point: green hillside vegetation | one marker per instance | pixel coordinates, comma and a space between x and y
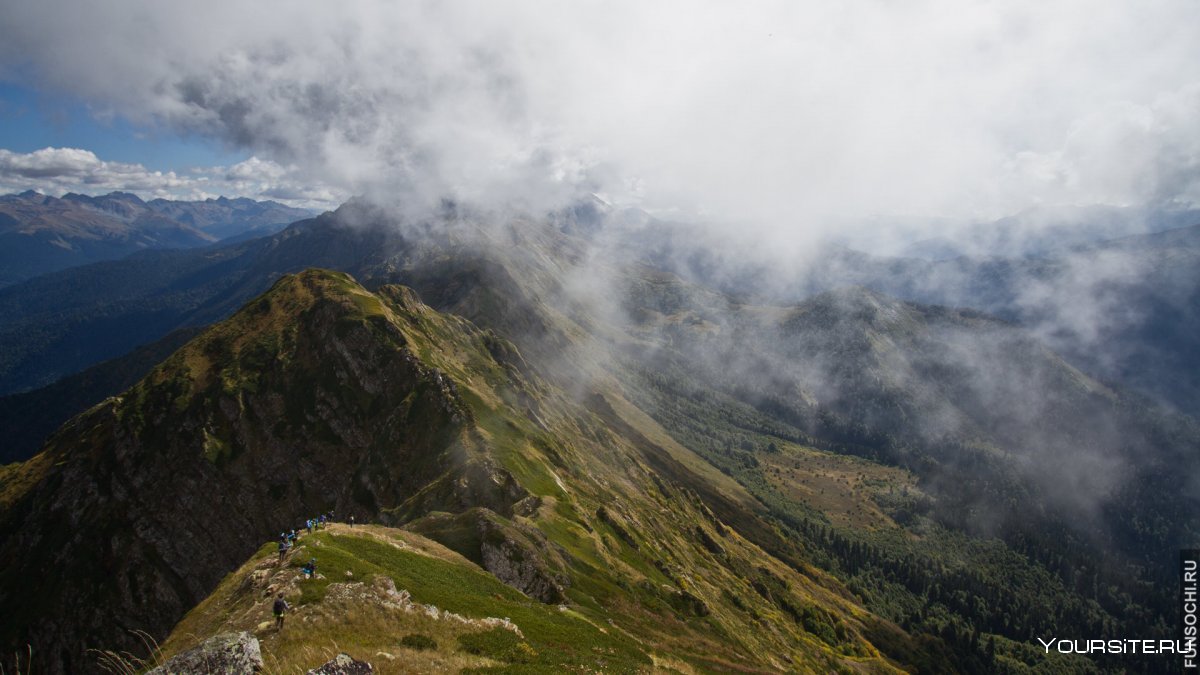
321, 394
344, 609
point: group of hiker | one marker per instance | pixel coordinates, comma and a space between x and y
287, 540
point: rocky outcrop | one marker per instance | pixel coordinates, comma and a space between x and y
226, 654
618, 525
517, 556
343, 664
478, 482
514, 552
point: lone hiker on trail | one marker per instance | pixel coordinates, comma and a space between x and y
281, 606
351, 521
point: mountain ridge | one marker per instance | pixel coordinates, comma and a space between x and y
470, 451
114, 451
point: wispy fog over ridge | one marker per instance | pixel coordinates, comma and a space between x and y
794, 120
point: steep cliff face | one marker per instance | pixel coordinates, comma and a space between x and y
309, 399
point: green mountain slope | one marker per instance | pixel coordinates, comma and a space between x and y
320, 394
380, 590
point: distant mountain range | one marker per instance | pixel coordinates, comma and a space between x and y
41, 234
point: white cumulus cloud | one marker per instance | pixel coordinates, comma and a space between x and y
789, 115
60, 170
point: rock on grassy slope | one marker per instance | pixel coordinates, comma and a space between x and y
320, 394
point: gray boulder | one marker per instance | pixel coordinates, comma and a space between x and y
225, 654
343, 664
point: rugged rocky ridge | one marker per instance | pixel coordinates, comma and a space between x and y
309, 399
320, 394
